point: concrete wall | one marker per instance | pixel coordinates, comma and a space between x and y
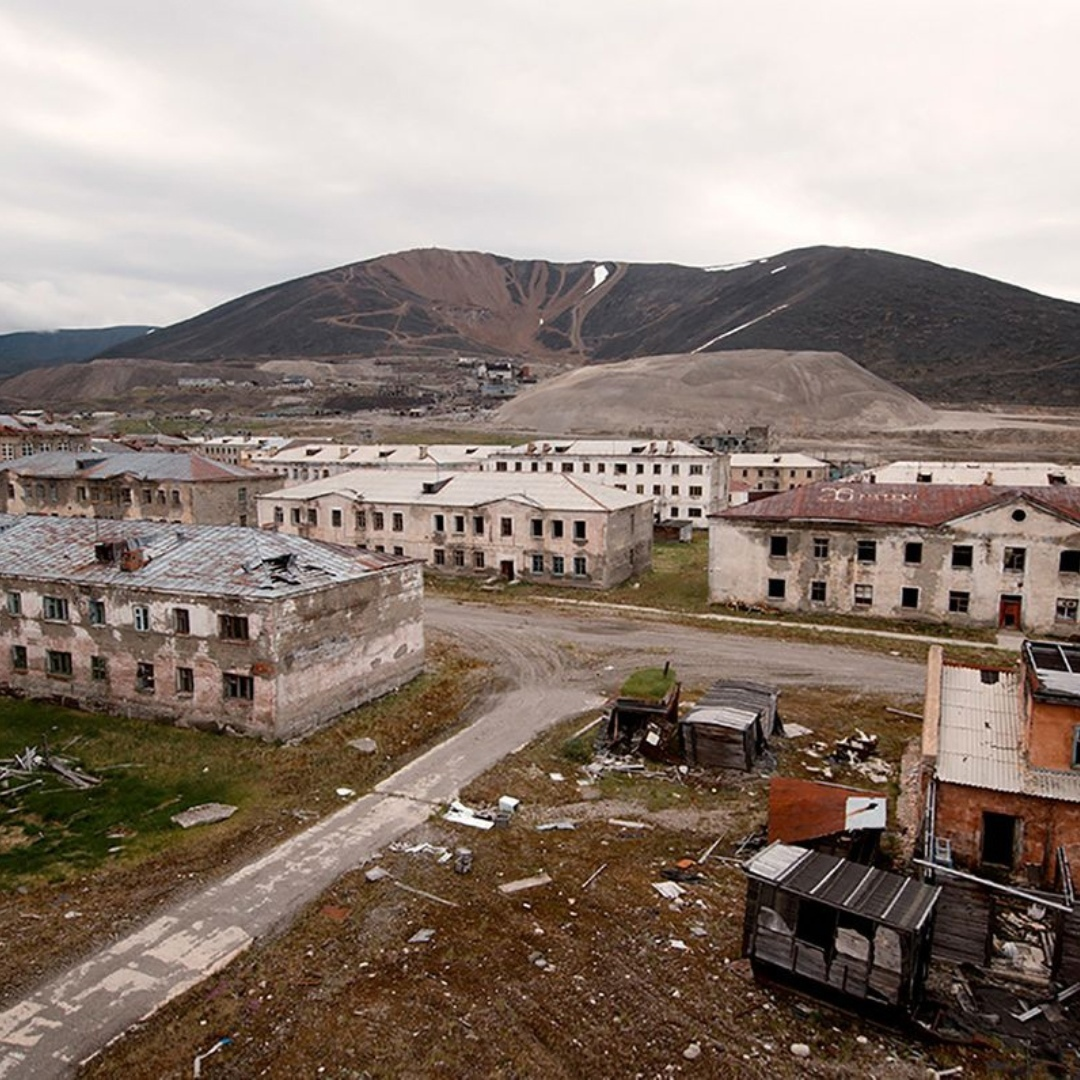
473, 542
310, 658
740, 568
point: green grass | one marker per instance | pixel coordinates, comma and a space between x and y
151, 771
650, 684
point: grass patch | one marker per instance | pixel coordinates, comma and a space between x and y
652, 684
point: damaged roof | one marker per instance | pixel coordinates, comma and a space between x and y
899, 504
980, 735
811, 809
139, 465
1056, 668
218, 560
900, 902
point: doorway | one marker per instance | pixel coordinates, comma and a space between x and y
506, 569
1009, 612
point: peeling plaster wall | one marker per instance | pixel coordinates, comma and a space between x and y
740, 567
310, 658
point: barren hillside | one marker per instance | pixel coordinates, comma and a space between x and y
793, 392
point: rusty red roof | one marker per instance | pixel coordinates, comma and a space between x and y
900, 504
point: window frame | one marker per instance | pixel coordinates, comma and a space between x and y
866, 551
236, 686
232, 627
55, 609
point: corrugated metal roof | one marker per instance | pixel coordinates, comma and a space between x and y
808, 809
721, 716
140, 465
895, 901
980, 738
899, 504
628, 448
779, 461
219, 560
1001, 473
381, 454
464, 490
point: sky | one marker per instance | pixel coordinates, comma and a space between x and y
157, 159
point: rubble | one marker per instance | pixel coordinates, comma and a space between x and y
204, 814
34, 760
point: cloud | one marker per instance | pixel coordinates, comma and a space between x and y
163, 158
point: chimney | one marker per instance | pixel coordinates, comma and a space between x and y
132, 559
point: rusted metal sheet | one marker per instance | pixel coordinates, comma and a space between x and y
809, 809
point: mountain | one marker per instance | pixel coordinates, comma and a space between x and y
944, 335
28, 349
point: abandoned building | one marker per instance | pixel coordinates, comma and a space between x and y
729, 726
24, 434
301, 462
682, 480
207, 626
972, 555
753, 476
1001, 819
995, 473
149, 486
838, 926
550, 529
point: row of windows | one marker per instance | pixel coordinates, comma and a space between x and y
538, 563
693, 492
776, 473
58, 609
557, 529
619, 468
962, 556
959, 602
60, 664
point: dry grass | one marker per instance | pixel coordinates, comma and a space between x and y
559, 981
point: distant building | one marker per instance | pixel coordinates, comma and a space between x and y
300, 463
753, 440
237, 449
151, 486
214, 627
765, 474
24, 434
549, 529
991, 473
969, 555
682, 480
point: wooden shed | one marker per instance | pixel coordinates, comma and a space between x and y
850, 929
722, 737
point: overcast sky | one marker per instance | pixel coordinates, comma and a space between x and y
158, 158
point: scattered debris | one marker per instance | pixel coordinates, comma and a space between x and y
335, 913
204, 814
525, 883
508, 804
622, 824
365, 746
344, 792
692, 1052
196, 1065
564, 825
796, 731
557, 777
422, 936
460, 814
800, 1050
425, 895
593, 876
376, 873
669, 890
463, 862
36, 760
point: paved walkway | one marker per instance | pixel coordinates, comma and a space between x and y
53, 1031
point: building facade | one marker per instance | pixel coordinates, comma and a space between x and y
204, 626
22, 435
968, 555
753, 475
547, 529
150, 486
682, 480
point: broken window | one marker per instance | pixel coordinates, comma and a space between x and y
335, 519
459, 523
438, 523
18, 657
144, 677
913, 551
438, 556
909, 597
185, 680
536, 528
821, 547
864, 595
1065, 610
1069, 562
58, 663
1076, 748
817, 592
313, 515
601, 467
537, 564
777, 588
999, 835
14, 603
580, 566
695, 491
694, 511
99, 668
558, 565
962, 556
140, 615
459, 557
620, 468
506, 526
398, 549
361, 519
233, 627
579, 530
697, 470
378, 519
397, 523
567, 466
959, 602
778, 547
866, 551
294, 515
478, 525
1014, 559
279, 515
54, 608
237, 686
95, 612
478, 560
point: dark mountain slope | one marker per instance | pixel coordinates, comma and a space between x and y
942, 334
28, 349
